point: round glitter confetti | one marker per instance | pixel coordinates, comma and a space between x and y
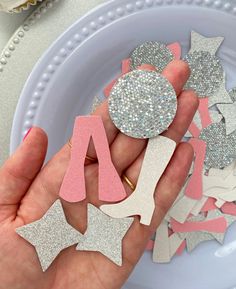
142, 104
206, 73
153, 53
221, 149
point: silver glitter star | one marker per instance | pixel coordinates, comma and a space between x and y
229, 113
50, 235
221, 95
105, 234
201, 43
207, 73
221, 149
154, 53
142, 104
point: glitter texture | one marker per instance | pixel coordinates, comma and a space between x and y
50, 235
207, 73
229, 113
154, 53
232, 94
105, 234
221, 149
142, 104
201, 43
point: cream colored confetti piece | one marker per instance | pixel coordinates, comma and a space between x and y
158, 154
161, 251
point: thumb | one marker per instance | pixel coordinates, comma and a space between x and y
19, 171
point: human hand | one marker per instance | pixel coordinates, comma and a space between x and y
27, 191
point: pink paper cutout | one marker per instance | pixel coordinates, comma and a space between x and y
73, 187
108, 88
194, 130
218, 225
204, 115
209, 205
150, 245
229, 208
126, 66
148, 67
194, 189
181, 248
176, 50
204, 112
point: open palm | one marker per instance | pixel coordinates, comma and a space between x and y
27, 191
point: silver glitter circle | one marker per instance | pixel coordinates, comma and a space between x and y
142, 104
207, 73
221, 149
232, 94
154, 53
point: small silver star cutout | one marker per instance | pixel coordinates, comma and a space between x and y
105, 234
201, 43
50, 235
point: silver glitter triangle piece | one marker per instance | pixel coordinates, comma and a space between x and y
105, 234
50, 235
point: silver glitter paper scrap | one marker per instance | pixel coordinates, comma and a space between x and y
221, 149
151, 52
229, 113
207, 73
201, 43
232, 94
105, 234
221, 95
50, 235
142, 104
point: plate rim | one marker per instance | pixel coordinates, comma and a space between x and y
114, 10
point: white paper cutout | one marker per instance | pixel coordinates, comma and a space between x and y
158, 154
161, 251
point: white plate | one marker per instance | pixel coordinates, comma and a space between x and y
83, 60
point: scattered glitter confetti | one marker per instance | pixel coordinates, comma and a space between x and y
50, 235
154, 53
142, 104
105, 234
221, 149
221, 95
206, 73
201, 43
193, 239
214, 115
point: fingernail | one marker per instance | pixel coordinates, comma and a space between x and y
28, 132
